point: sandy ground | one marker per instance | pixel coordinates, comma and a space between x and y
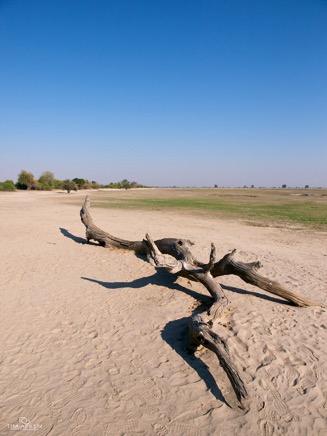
93, 341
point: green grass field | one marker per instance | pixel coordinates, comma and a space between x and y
262, 207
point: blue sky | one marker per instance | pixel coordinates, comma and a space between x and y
165, 92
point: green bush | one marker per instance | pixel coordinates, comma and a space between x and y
46, 181
123, 184
26, 181
7, 185
95, 185
45, 187
58, 184
69, 185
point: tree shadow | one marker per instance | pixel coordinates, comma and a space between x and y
162, 278
256, 294
77, 239
175, 333
159, 278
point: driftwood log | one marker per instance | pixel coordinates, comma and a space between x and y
175, 256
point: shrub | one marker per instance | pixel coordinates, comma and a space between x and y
26, 181
46, 181
7, 185
81, 183
95, 185
69, 185
58, 184
45, 187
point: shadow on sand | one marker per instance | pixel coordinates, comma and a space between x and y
175, 333
159, 278
257, 295
74, 238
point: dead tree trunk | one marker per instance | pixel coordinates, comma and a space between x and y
180, 250
175, 256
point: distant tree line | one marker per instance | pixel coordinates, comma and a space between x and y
47, 182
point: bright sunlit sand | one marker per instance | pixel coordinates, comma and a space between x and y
93, 340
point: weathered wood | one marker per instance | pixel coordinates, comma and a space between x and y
200, 332
248, 273
175, 256
106, 239
180, 249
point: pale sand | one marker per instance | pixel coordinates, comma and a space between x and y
93, 341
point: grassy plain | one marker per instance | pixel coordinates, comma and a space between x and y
261, 207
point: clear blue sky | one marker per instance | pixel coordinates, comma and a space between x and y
165, 92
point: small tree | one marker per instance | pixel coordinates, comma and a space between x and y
47, 180
26, 181
80, 182
69, 185
284, 186
95, 185
125, 184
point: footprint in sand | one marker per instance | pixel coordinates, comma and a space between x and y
149, 390
152, 389
267, 378
134, 392
273, 373
270, 414
280, 408
57, 404
79, 424
268, 358
307, 381
242, 347
267, 428
20, 400
292, 375
156, 393
137, 364
280, 405
132, 426
180, 429
159, 429
150, 410
65, 388
310, 354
